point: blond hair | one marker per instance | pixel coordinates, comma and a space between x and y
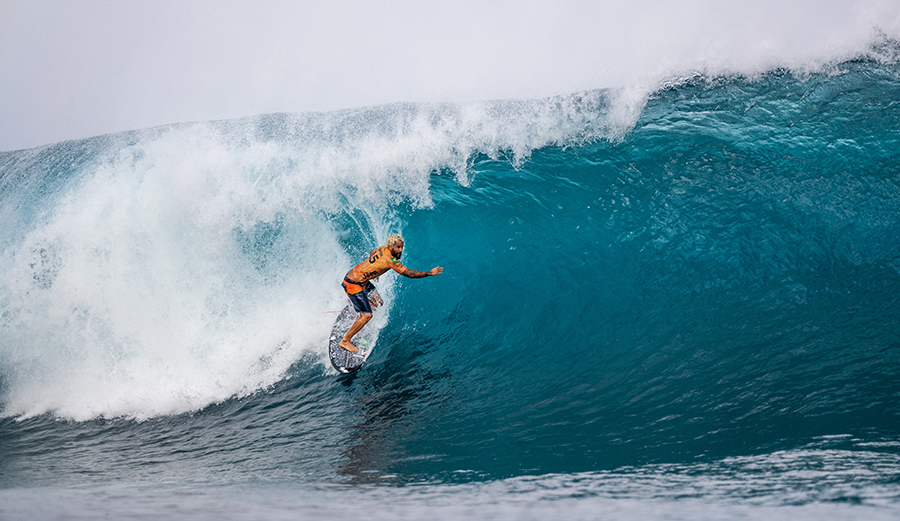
393, 239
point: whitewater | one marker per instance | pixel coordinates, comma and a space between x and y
673, 302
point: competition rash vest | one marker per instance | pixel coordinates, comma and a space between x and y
380, 260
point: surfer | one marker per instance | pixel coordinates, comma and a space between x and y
359, 288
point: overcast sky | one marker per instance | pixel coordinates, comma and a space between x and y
77, 68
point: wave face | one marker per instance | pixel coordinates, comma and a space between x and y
709, 272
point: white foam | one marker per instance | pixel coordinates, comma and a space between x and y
132, 297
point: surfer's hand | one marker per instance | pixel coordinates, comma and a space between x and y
436, 271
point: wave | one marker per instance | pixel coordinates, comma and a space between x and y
628, 271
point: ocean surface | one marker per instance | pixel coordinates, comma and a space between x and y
674, 303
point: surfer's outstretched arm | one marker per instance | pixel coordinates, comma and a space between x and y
415, 274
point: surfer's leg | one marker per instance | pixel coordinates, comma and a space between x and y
375, 298
360, 301
361, 321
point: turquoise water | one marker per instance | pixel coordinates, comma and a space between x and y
677, 307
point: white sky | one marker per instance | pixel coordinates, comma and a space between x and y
77, 68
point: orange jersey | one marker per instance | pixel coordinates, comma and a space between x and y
380, 260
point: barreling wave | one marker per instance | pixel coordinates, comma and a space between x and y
158, 271
710, 269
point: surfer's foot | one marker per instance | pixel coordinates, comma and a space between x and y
348, 346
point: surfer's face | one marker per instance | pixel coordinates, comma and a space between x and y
397, 250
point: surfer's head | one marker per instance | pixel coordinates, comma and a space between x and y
395, 244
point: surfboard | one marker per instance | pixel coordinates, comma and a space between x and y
343, 360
